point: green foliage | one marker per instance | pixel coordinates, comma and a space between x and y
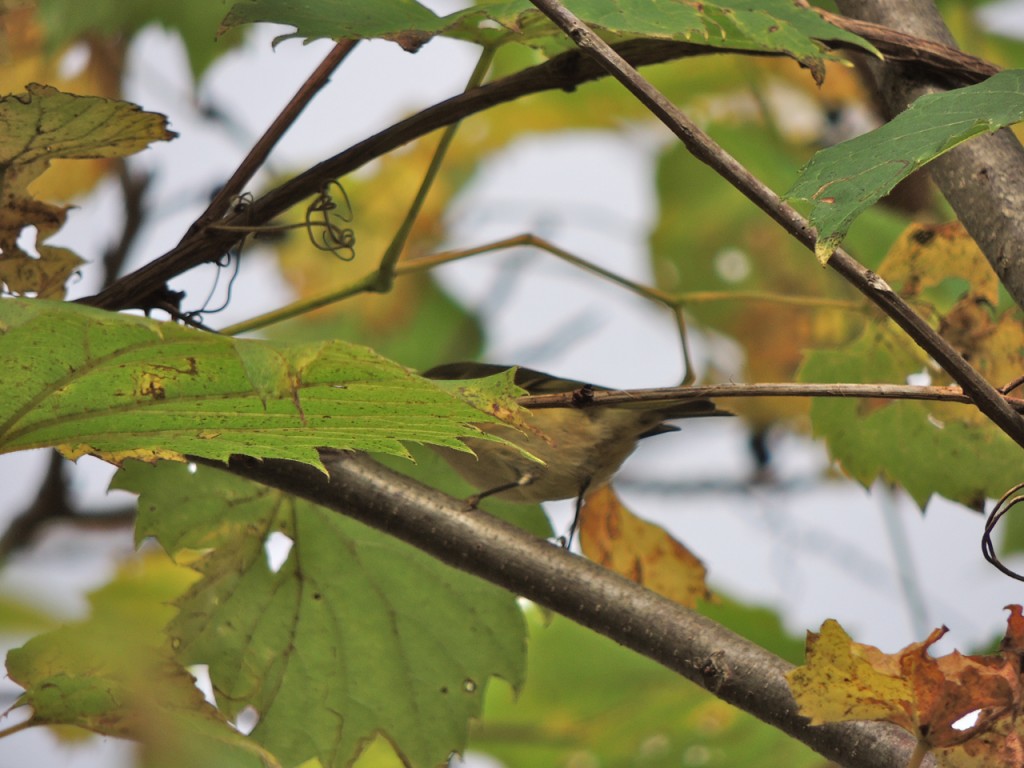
113, 674
65, 21
355, 634
912, 444
129, 387
358, 648
844, 180
585, 702
764, 25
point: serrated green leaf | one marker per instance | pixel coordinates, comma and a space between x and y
128, 387
756, 25
926, 448
844, 180
588, 701
356, 634
37, 127
113, 674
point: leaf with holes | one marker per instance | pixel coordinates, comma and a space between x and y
842, 680
36, 127
113, 674
355, 634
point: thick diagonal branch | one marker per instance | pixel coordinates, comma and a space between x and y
729, 666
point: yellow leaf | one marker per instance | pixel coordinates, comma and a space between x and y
926, 255
843, 680
39, 126
614, 537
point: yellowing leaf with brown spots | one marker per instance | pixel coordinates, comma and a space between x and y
37, 127
928, 696
927, 255
619, 540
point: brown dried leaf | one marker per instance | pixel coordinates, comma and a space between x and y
614, 537
843, 680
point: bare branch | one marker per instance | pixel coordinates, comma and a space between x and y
718, 391
261, 149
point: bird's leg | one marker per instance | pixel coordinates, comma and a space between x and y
566, 541
524, 479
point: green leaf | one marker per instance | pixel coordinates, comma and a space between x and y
355, 634
588, 701
755, 25
927, 448
196, 20
36, 127
118, 386
844, 180
113, 674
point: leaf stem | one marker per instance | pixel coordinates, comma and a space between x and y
919, 754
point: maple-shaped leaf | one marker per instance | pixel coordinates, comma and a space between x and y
942, 273
928, 696
354, 634
41, 125
641, 551
118, 386
114, 674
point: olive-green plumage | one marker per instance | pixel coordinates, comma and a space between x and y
581, 446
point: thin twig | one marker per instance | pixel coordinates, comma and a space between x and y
676, 302
386, 272
133, 191
722, 391
984, 395
221, 202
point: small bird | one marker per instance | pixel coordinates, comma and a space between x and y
581, 445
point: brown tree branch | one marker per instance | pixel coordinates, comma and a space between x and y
51, 506
941, 59
566, 71
727, 665
983, 178
883, 391
261, 149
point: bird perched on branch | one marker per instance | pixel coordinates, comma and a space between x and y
582, 445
